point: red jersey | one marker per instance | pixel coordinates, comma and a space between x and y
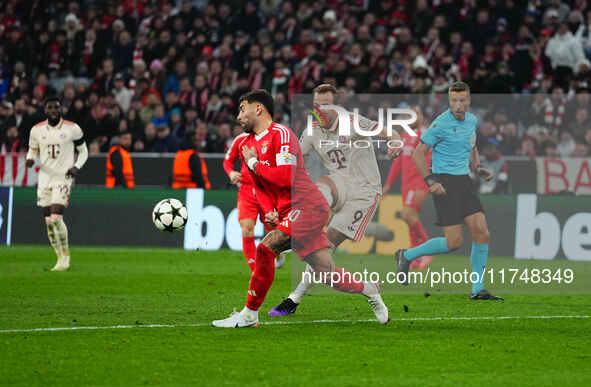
232, 155
280, 177
411, 178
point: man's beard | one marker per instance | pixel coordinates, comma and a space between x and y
54, 121
248, 128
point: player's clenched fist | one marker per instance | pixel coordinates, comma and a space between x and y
235, 177
72, 172
437, 189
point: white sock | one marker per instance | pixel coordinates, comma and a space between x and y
305, 285
61, 233
53, 239
370, 289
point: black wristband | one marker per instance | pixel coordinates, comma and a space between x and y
430, 180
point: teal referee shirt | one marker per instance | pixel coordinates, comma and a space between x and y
451, 141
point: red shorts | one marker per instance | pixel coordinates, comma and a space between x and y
409, 195
306, 227
248, 206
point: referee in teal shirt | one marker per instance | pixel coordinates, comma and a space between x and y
452, 136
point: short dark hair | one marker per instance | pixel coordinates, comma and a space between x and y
261, 96
51, 99
458, 86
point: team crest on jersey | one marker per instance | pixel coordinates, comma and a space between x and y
264, 147
342, 139
62, 136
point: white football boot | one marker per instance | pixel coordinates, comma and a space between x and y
372, 292
245, 319
63, 264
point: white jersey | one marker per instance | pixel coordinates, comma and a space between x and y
352, 157
55, 145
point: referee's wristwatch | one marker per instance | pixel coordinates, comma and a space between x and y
430, 180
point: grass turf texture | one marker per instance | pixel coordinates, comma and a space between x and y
108, 286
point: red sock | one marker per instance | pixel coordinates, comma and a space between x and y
418, 235
249, 250
261, 278
343, 281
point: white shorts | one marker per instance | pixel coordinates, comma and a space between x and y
354, 209
55, 192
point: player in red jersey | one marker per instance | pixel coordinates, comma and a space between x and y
248, 207
294, 205
414, 189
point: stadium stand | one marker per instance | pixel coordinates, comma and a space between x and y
165, 70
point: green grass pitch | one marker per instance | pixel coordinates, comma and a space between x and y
444, 339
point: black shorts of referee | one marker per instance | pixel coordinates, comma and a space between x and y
460, 200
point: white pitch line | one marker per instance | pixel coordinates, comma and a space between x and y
474, 318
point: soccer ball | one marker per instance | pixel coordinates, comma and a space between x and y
169, 215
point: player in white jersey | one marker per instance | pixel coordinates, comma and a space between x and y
54, 140
353, 185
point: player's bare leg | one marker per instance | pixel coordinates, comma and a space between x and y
341, 280
61, 237
248, 245
261, 280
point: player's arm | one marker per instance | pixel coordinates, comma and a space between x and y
429, 139
33, 150
285, 160
393, 139
475, 163
393, 175
263, 198
306, 144
82, 150
230, 160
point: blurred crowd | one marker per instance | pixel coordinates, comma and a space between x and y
169, 69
